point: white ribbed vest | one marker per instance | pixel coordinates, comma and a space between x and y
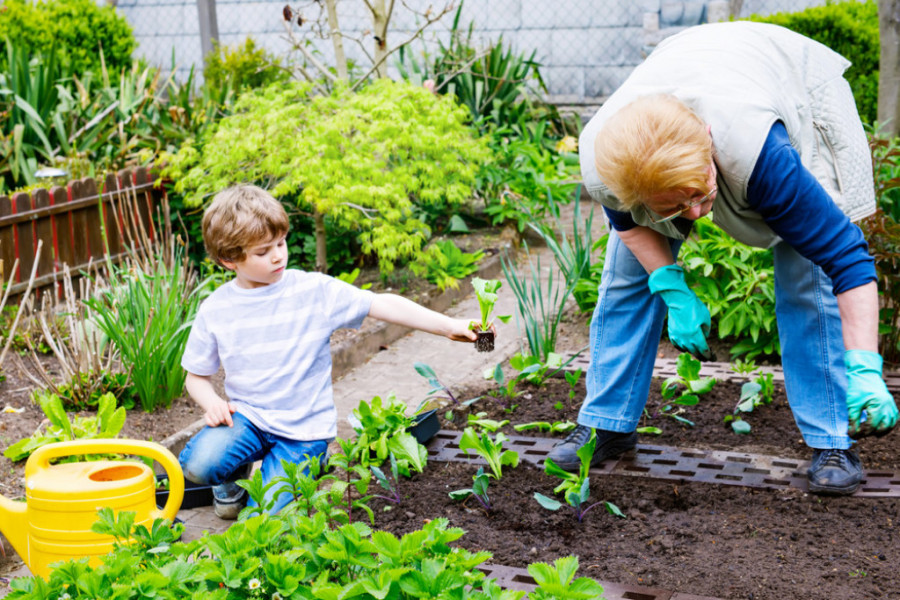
741, 78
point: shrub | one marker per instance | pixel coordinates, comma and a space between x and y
76, 29
850, 29
242, 67
368, 160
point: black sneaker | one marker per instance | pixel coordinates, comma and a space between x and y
609, 444
834, 472
229, 498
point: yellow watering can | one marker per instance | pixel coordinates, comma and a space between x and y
62, 500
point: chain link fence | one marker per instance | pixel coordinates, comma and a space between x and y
586, 48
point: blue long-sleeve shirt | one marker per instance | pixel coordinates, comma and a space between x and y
800, 211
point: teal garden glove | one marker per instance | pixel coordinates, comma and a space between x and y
688, 317
867, 393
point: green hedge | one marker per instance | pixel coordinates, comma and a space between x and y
851, 29
76, 29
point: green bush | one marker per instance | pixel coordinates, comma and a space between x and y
242, 67
850, 29
368, 160
76, 29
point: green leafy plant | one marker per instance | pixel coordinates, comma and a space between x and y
481, 421
146, 312
555, 427
572, 251
506, 391
479, 490
389, 483
558, 582
491, 450
541, 304
77, 31
572, 378
381, 430
755, 393
684, 389
575, 487
106, 424
486, 293
737, 284
882, 232
438, 390
242, 66
444, 264
366, 159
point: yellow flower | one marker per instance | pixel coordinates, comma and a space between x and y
567, 144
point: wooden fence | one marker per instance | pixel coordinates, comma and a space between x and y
77, 227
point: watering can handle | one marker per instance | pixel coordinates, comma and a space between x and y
40, 460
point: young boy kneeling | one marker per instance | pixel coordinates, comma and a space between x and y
269, 330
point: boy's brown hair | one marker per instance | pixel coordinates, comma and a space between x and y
239, 218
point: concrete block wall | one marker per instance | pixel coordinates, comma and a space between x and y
586, 47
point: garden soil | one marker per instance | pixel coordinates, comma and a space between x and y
713, 540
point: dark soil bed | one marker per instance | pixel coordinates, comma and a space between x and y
713, 540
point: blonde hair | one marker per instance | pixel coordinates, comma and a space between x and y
239, 218
654, 145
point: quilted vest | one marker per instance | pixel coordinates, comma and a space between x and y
741, 78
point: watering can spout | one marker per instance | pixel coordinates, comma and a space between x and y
13, 524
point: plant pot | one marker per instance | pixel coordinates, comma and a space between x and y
425, 427
485, 341
195, 494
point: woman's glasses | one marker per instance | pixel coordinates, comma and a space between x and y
656, 219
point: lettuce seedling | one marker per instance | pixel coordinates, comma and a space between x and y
486, 292
490, 450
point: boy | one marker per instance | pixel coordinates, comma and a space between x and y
269, 329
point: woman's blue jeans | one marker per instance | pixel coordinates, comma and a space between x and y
628, 321
214, 454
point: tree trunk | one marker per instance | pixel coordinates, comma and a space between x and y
321, 249
735, 7
340, 58
380, 18
889, 66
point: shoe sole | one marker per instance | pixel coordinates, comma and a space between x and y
831, 490
612, 451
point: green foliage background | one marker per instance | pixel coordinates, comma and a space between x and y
369, 160
850, 29
75, 29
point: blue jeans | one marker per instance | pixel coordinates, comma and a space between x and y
216, 453
627, 325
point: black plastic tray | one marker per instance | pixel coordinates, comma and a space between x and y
195, 494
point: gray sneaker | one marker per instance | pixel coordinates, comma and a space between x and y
229, 498
609, 444
834, 472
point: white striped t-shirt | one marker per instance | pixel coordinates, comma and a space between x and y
273, 344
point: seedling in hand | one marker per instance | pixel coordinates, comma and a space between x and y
486, 292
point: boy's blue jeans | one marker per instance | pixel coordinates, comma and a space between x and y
627, 324
215, 453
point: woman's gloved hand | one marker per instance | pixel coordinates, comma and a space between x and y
867, 393
688, 317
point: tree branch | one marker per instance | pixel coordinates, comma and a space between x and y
416, 34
